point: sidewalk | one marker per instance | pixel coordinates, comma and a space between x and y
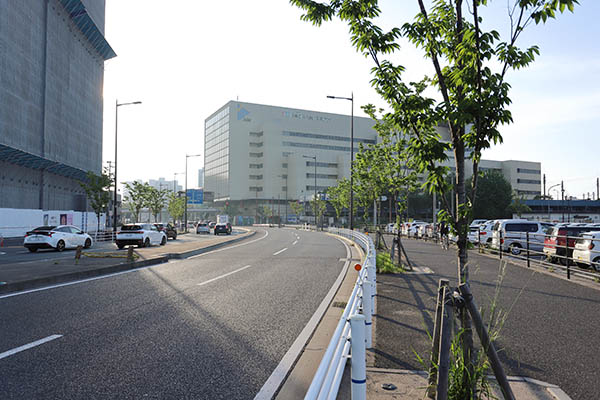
100, 261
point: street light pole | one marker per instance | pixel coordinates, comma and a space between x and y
117, 105
186, 190
315, 199
351, 99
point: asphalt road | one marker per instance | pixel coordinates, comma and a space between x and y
211, 327
549, 333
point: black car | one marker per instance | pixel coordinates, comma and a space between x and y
169, 230
223, 228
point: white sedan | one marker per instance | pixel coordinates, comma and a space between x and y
56, 237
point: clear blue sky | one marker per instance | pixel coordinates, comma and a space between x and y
186, 58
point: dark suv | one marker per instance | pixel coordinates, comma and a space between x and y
223, 228
169, 230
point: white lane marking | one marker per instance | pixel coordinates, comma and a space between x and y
2, 253
28, 346
223, 276
294, 242
289, 359
280, 251
230, 247
118, 273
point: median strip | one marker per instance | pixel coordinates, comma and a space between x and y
28, 346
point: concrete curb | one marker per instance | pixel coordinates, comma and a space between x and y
106, 270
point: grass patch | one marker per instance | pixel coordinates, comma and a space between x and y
385, 265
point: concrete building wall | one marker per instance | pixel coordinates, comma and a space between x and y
51, 102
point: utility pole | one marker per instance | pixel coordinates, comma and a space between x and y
544, 186
597, 188
562, 189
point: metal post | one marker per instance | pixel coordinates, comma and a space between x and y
485, 342
115, 198
567, 255
528, 262
479, 239
185, 229
359, 363
368, 312
351, 162
500, 244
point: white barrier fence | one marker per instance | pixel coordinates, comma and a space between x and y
17, 222
354, 331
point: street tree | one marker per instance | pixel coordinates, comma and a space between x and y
319, 206
297, 208
517, 205
469, 87
156, 199
339, 196
97, 190
137, 197
176, 206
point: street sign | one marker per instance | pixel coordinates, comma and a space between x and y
195, 196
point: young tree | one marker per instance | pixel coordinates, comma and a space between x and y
97, 190
156, 200
297, 208
176, 206
319, 206
470, 67
137, 197
339, 196
518, 206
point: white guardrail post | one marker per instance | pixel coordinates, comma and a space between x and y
359, 361
368, 312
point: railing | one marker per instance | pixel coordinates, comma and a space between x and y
354, 331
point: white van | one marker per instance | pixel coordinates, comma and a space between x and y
587, 250
511, 235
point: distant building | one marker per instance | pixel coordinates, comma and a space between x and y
51, 108
162, 184
201, 177
256, 155
569, 210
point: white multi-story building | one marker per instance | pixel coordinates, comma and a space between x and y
201, 178
261, 154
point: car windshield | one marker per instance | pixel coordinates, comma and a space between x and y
131, 228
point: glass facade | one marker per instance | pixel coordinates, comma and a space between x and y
216, 148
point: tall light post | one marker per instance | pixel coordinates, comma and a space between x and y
549, 189
186, 196
351, 98
286, 195
175, 180
117, 105
315, 200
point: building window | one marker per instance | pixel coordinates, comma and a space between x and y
255, 155
287, 153
321, 176
256, 134
255, 188
321, 164
255, 166
255, 177
532, 192
318, 146
327, 137
284, 188
284, 165
530, 181
256, 144
528, 171
319, 188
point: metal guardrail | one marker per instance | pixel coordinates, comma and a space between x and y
353, 332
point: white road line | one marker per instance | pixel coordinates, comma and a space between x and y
223, 276
28, 346
280, 251
294, 242
119, 273
289, 359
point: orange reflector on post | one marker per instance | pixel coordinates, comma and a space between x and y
358, 267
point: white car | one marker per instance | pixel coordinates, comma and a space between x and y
141, 235
203, 227
56, 237
587, 250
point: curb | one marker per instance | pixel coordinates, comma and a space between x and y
72, 276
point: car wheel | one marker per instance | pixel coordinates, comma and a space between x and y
515, 249
88, 244
596, 263
146, 242
32, 249
175, 237
120, 246
216, 233
163, 241
60, 246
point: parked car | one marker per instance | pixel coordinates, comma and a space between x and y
560, 241
212, 224
168, 229
587, 250
202, 227
223, 228
141, 235
482, 232
478, 222
391, 228
56, 237
511, 235
410, 228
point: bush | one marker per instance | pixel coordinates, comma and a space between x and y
385, 265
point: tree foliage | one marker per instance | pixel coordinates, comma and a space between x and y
493, 196
156, 199
137, 197
297, 208
176, 206
97, 190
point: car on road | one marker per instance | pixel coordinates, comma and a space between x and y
168, 229
512, 234
587, 250
56, 237
141, 235
223, 228
202, 227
